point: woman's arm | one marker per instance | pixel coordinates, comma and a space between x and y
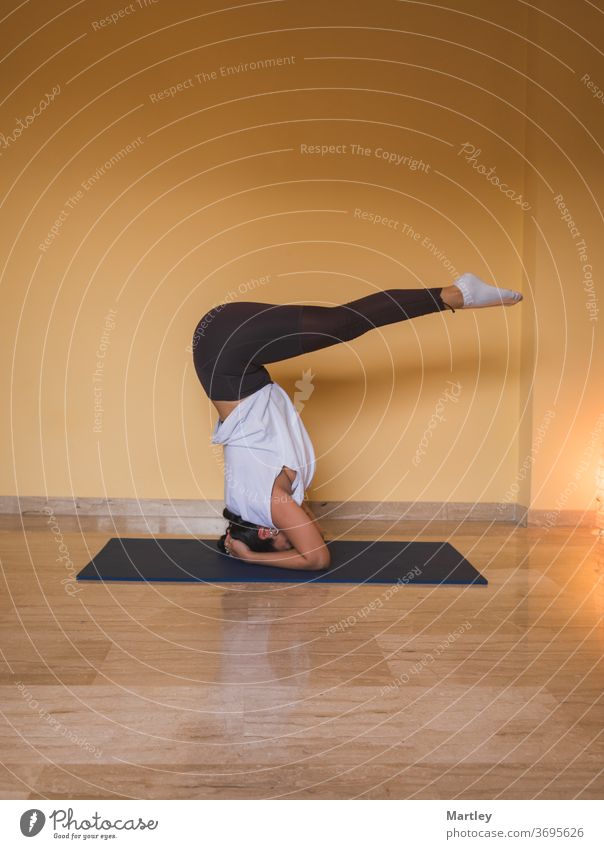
289, 559
309, 550
312, 516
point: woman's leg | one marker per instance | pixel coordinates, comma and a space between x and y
321, 327
234, 342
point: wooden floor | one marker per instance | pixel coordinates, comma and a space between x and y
269, 691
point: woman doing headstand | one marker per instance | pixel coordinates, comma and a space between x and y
268, 454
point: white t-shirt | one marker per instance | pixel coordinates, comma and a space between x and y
261, 435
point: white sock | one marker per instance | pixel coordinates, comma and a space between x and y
476, 293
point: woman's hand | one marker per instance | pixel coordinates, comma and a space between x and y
236, 547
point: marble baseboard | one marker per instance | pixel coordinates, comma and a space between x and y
211, 510
562, 518
33, 505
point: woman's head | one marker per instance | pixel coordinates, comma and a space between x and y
256, 537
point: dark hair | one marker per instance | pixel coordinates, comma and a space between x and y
247, 532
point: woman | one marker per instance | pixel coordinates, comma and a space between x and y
269, 458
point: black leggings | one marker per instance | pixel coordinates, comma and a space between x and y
233, 342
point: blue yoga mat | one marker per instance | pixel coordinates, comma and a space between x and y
195, 560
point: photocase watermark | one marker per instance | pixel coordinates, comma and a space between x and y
69, 582
242, 289
95, 823
235, 485
391, 157
471, 154
98, 374
405, 229
595, 89
55, 724
236, 489
23, 123
32, 822
86, 185
426, 659
528, 461
426, 242
591, 304
551, 517
366, 609
114, 17
204, 77
452, 394
376, 219
304, 389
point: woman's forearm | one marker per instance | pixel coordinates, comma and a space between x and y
284, 559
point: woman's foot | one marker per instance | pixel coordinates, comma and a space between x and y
470, 292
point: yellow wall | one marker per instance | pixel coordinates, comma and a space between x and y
564, 148
215, 191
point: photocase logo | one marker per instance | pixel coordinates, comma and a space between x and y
305, 389
32, 822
